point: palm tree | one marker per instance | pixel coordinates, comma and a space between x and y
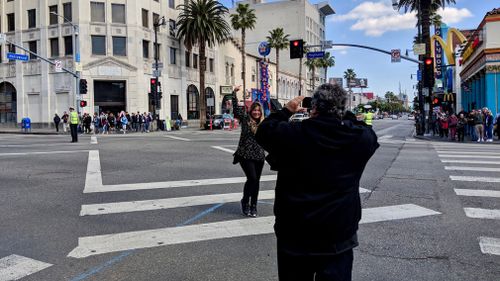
327, 61
278, 40
349, 75
202, 23
243, 19
312, 64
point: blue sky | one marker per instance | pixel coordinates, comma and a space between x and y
378, 25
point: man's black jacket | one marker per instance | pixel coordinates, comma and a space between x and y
319, 162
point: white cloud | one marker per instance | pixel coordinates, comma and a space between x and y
453, 15
377, 18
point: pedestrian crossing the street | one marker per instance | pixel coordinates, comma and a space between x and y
192, 232
475, 166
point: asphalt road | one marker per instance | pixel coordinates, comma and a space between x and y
165, 206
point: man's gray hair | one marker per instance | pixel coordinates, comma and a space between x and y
329, 99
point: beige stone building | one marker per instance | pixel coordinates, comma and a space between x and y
117, 50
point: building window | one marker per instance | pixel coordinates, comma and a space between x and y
97, 12
232, 70
68, 45
68, 11
156, 18
98, 45
195, 61
171, 4
145, 21
53, 18
32, 48
145, 49
32, 18
119, 46
211, 65
54, 47
173, 55
171, 27
11, 22
118, 13
193, 105
157, 49
188, 59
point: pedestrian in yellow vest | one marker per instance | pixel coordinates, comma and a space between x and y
73, 124
369, 118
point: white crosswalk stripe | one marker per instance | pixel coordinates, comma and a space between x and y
465, 157
114, 242
15, 267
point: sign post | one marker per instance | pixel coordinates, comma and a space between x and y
395, 55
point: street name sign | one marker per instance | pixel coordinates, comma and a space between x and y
160, 65
12, 56
316, 55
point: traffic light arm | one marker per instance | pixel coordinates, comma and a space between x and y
374, 49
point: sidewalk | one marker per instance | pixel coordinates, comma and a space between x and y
439, 139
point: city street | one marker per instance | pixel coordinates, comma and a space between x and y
165, 206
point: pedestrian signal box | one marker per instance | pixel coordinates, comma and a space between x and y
83, 103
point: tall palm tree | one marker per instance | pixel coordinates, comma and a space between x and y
312, 64
349, 75
243, 19
278, 40
202, 23
327, 61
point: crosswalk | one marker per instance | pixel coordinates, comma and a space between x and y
190, 232
15, 267
475, 166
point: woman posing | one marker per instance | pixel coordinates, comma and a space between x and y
249, 153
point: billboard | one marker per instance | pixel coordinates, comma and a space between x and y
358, 83
336, 81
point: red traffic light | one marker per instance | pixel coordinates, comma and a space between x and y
83, 103
153, 81
428, 61
295, 43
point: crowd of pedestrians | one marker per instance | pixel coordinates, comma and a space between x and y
479, 125
106, 123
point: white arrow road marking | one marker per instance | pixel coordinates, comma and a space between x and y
474, 179
170, 203
177, 138
477, 169
470, 162
478, 213
101, 244
15, 267
489, 245
478, 192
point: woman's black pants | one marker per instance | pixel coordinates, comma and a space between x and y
253, 170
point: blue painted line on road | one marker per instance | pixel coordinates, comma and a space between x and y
120, 257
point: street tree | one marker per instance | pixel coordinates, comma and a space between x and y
349, 75
312, 64
278, 40
201, 23
327, 61
243, 19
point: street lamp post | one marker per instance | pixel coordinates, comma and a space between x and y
76, 58
161, 21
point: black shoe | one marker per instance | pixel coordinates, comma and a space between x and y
253, 211
245, 208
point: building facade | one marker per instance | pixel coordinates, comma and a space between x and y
480, 65
117, 52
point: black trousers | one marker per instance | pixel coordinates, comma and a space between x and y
253, 170
74, 132
315, 268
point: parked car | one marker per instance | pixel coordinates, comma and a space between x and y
299, 117
394, 117
217, 122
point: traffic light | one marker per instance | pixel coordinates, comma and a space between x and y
83, 103
154, 86
296, 49
83, 86
428, 72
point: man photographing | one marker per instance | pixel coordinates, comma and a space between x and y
317, 206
